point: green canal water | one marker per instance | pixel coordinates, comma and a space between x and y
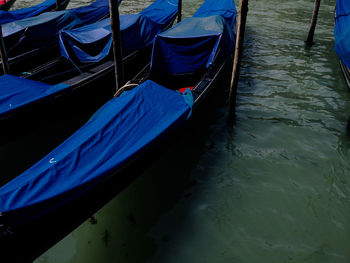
273, 188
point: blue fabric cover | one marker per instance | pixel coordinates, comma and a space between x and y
39, 31
93, 42
118, 132
10, 16
225, 8
16, 92
191, 46
342, 31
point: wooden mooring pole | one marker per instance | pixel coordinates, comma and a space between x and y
243, 11
58, 6
117, 47
179, 10
310, 37
3, 54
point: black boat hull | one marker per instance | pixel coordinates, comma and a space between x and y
346, 73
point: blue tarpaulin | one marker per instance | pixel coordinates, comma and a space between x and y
16, 92
342, 31
192, 45
36, 32
93, 42
119, 131
225, 8
10, 16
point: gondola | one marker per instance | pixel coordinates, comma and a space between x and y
33, 41
187, 62
86, 60
6, 4
46, 6
342, 36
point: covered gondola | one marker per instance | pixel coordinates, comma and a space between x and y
32, 41
46, 6
342, 36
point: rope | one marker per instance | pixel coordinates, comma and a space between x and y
126, 86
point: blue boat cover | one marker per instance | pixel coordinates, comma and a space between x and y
225, 8
36, 32
192, 45
93, 42
16, 92
120, 131
342, 31
10, 16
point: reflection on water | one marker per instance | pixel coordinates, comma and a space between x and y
274, 188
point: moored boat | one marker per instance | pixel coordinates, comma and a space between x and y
144, 112
46, 6
342, 36
33, 41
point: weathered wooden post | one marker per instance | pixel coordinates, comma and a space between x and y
117, 47
243, 11
3, 54
310, 37
179, 9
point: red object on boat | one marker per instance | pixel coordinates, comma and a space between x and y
6, 4
182, 89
